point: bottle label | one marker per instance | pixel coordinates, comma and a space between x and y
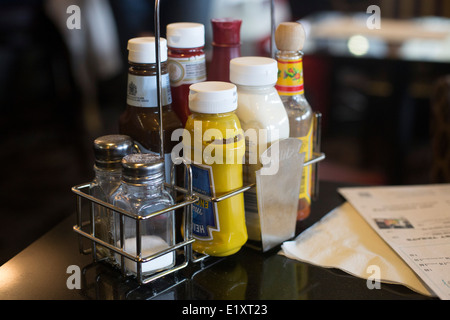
142, 91
204, 213
187, 70
290, 77
307, 148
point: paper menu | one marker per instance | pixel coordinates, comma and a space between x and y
415, 222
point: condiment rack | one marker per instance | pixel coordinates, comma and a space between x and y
183, 249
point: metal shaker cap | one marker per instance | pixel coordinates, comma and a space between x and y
110, 149
143, 167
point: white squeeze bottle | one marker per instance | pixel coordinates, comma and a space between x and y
263, 118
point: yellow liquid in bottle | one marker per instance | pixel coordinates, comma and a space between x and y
228, 232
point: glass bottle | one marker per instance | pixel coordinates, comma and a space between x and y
263, 118
226, 46
214, 143
108, 153
142, 193
140, 120
187, 63
290, 38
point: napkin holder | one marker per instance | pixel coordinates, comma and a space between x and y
277, 192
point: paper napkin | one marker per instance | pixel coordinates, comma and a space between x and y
343, 240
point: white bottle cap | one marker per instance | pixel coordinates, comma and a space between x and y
253, 71
212, 97
142, 50
185, 35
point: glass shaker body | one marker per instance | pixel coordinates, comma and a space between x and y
108, 152
102, 187
141, 194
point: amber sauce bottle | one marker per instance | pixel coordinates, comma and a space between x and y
140, 120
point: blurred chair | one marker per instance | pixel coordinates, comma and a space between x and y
94, 52
440, 131
41, 125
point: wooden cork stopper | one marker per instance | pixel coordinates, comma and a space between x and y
290, 36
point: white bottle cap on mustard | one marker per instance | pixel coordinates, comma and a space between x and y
212, 97
185, 35
142, 50
253, 71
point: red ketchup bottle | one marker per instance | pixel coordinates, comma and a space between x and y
186, 60
226, 46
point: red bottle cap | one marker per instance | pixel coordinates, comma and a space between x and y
226, 31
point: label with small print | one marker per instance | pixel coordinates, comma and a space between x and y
187, 70
204, 213
142, 91
290, 77
307, 148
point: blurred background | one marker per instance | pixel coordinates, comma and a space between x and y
383, 93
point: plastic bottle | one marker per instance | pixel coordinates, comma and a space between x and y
290, 38
142, 193
108, 153
187, 63
214, 143
263, 118
140, 120
226, 46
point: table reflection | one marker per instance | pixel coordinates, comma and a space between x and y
249, 275
423, 39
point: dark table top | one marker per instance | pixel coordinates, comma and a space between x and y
41, 272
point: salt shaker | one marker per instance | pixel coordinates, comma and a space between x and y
142, 193
108, 152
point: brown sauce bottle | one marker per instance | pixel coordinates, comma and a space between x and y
140, 120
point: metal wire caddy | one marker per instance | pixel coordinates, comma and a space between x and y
183, 249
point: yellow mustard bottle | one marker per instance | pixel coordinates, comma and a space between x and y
214, 144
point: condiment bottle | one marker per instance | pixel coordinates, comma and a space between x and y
142, 193
263, 118
187, 63
226, 46
108, 153
290, 38
214, 144
140, 120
